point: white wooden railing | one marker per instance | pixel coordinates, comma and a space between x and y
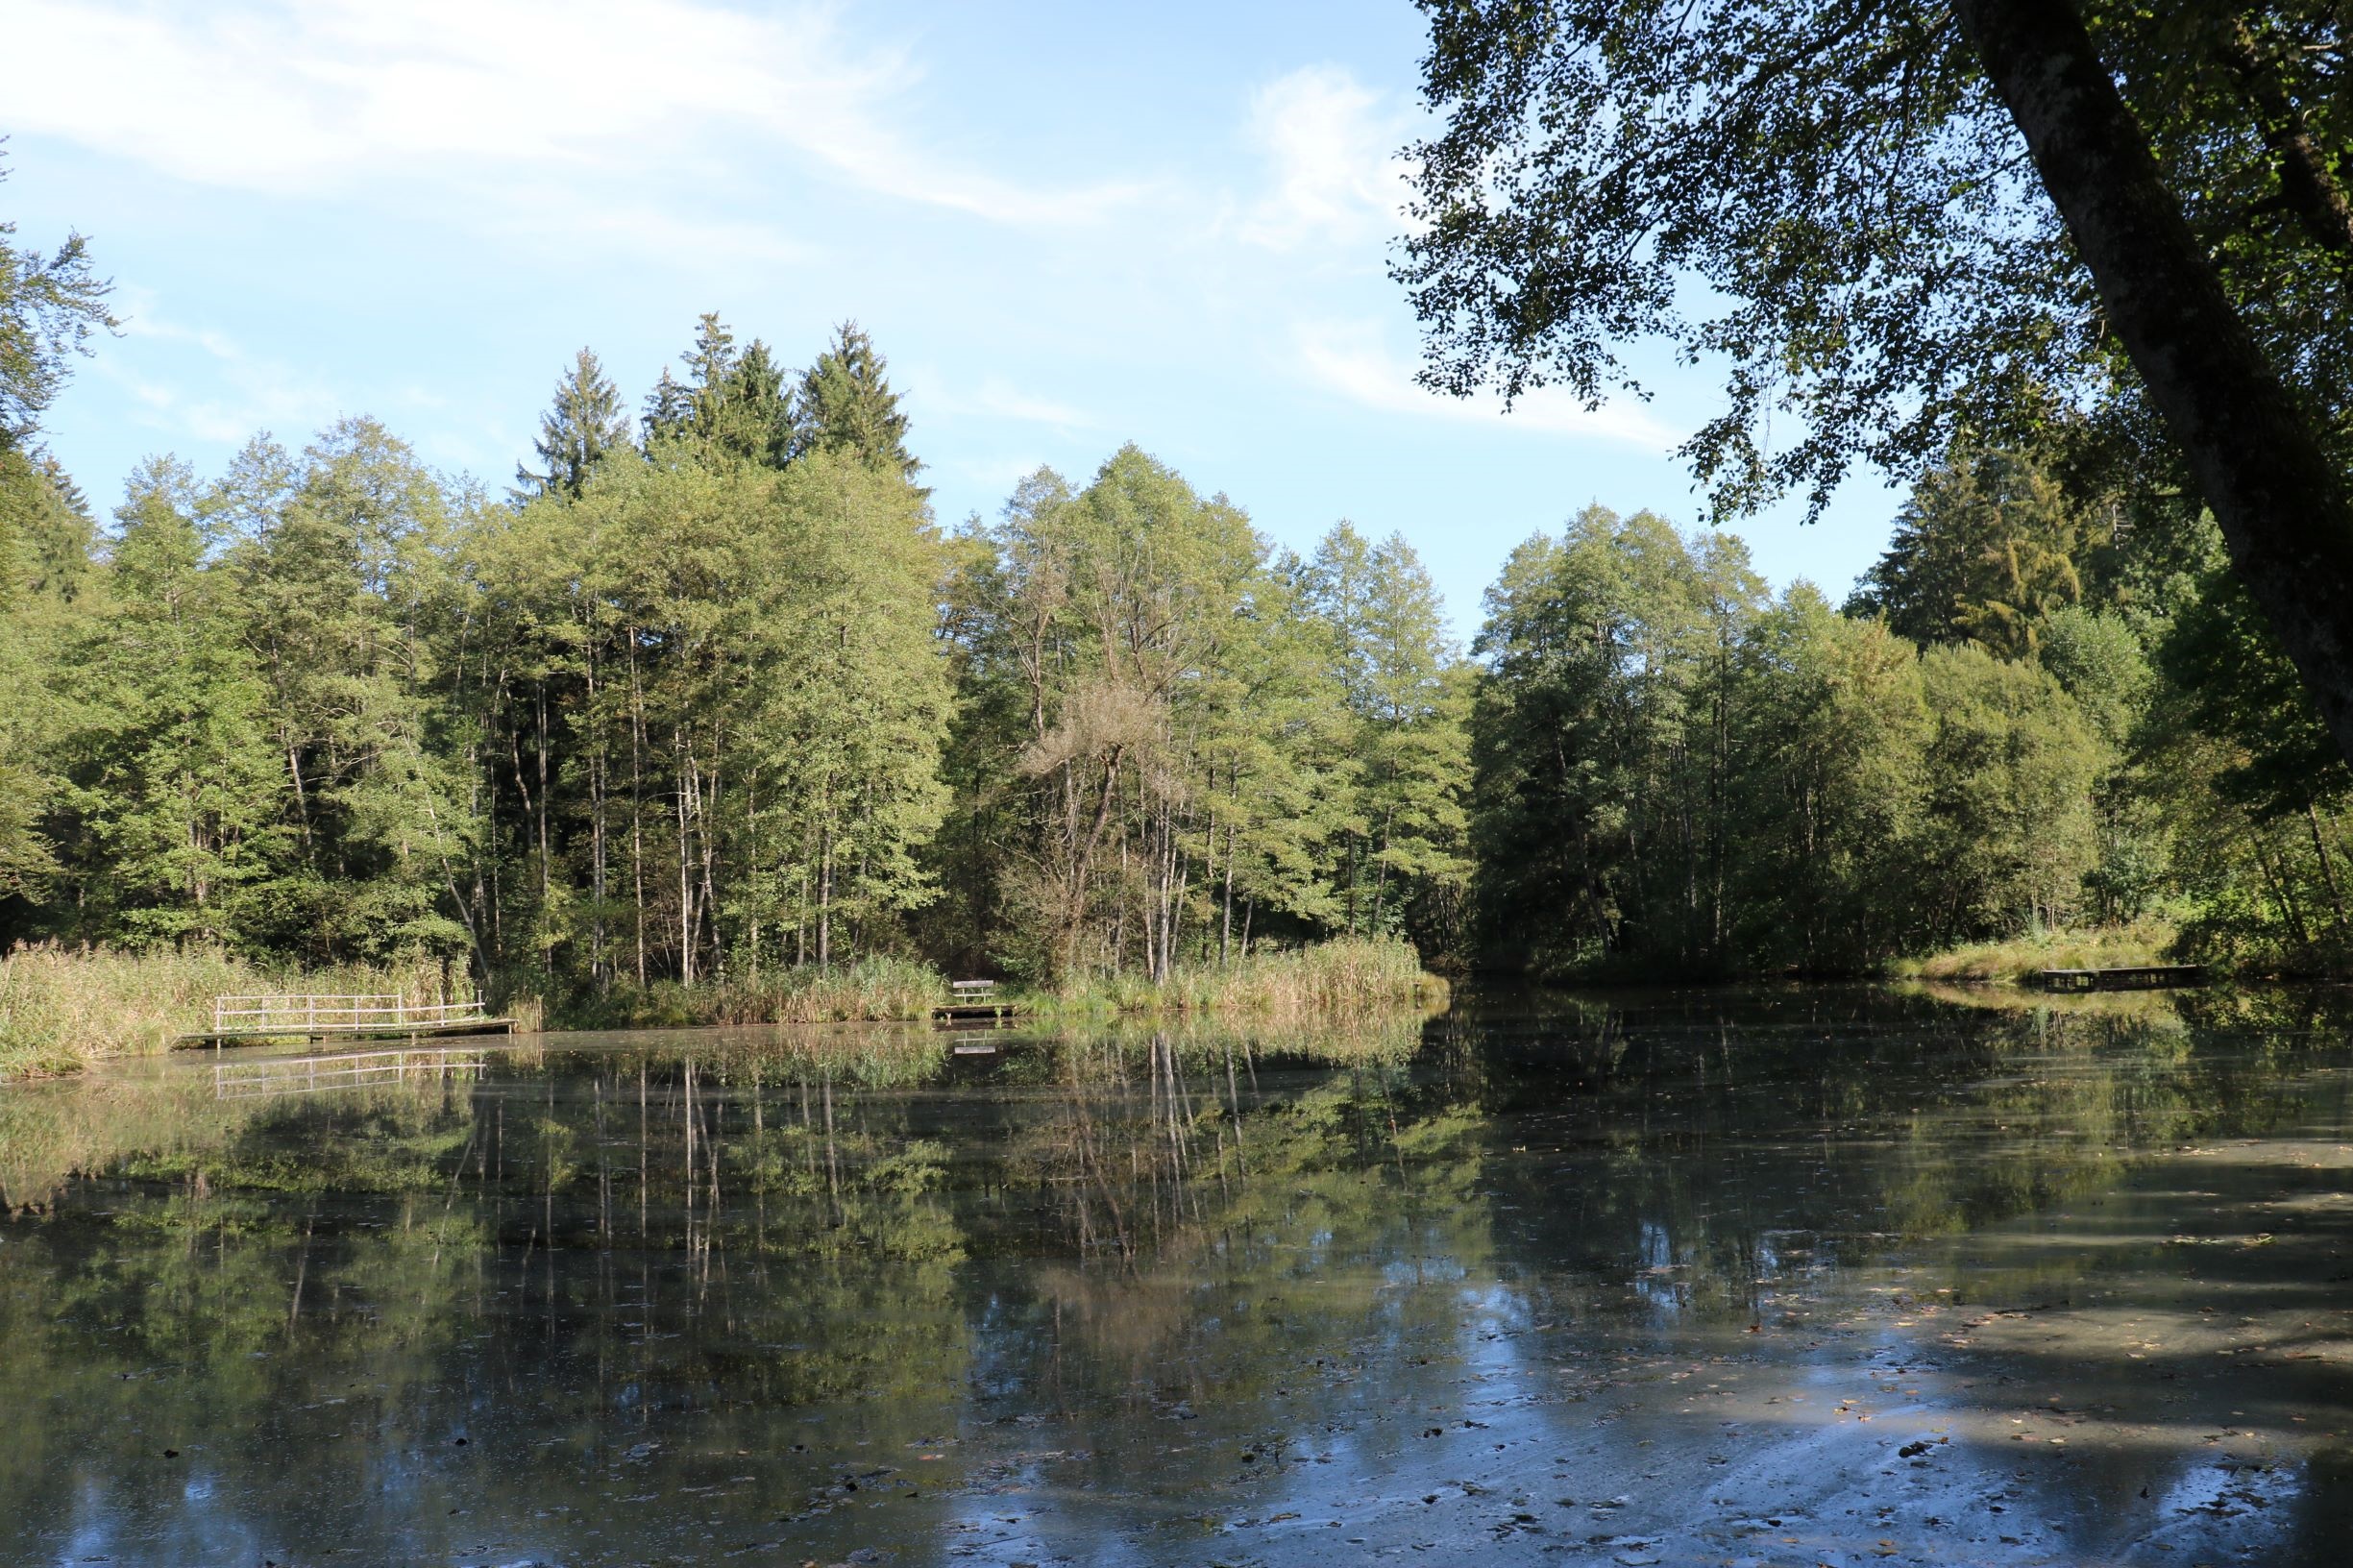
287, 1015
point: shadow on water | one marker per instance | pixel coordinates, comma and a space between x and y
1819, 1275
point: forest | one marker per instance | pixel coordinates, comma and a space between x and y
710, 693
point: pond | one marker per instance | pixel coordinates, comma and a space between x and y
1794, 1276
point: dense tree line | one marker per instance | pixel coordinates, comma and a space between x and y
2043, 707
707, 692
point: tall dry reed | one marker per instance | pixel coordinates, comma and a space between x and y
1330, 979
62, 1008
2020, 959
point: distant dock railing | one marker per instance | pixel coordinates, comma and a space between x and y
319, 1016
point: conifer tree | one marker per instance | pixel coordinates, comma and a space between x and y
748, 418
669, 409
846, 404
1984, 550
584, 424
733, 407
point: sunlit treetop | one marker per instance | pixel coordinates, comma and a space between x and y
1828, 199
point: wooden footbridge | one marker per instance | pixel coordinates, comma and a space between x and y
289, 1017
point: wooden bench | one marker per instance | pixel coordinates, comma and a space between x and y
973, 999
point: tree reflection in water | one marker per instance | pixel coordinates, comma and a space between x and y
645, 1297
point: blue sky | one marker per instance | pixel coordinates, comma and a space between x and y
1068, 226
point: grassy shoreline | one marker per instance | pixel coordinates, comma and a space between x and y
62, 1009
2020, 960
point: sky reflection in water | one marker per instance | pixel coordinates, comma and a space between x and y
1803, 1276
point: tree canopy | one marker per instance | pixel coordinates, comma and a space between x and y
1892, 222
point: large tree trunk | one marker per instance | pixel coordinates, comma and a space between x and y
2280, 501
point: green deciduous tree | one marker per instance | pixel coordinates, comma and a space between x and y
1406, 692
1912, 219
173, 770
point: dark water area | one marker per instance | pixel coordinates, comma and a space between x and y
1805, 1276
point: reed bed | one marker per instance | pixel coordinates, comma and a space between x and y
870, 990
1330, 979
62, 1008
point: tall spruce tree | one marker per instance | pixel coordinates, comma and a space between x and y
846, 404
584, 422
734, 405
1985, 550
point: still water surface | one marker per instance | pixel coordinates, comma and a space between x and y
1825, 1276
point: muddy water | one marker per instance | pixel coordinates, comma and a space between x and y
1796, 1277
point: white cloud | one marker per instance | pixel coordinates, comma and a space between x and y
1007, 401
1351, 359
997, 475
324, 96
241, 394
1332, 144
933, 395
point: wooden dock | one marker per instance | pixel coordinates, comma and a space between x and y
974, 1001
341, 1017
2144, 977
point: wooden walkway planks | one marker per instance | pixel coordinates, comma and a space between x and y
2143, 977
414, 1031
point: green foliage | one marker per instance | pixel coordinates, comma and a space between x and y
1985, 550
171, 767
1177, 741
721, 728
583, 425
50, 307
1403, 836
1881, 263
2010, 764
844, 404
1603, 743
1675, 773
